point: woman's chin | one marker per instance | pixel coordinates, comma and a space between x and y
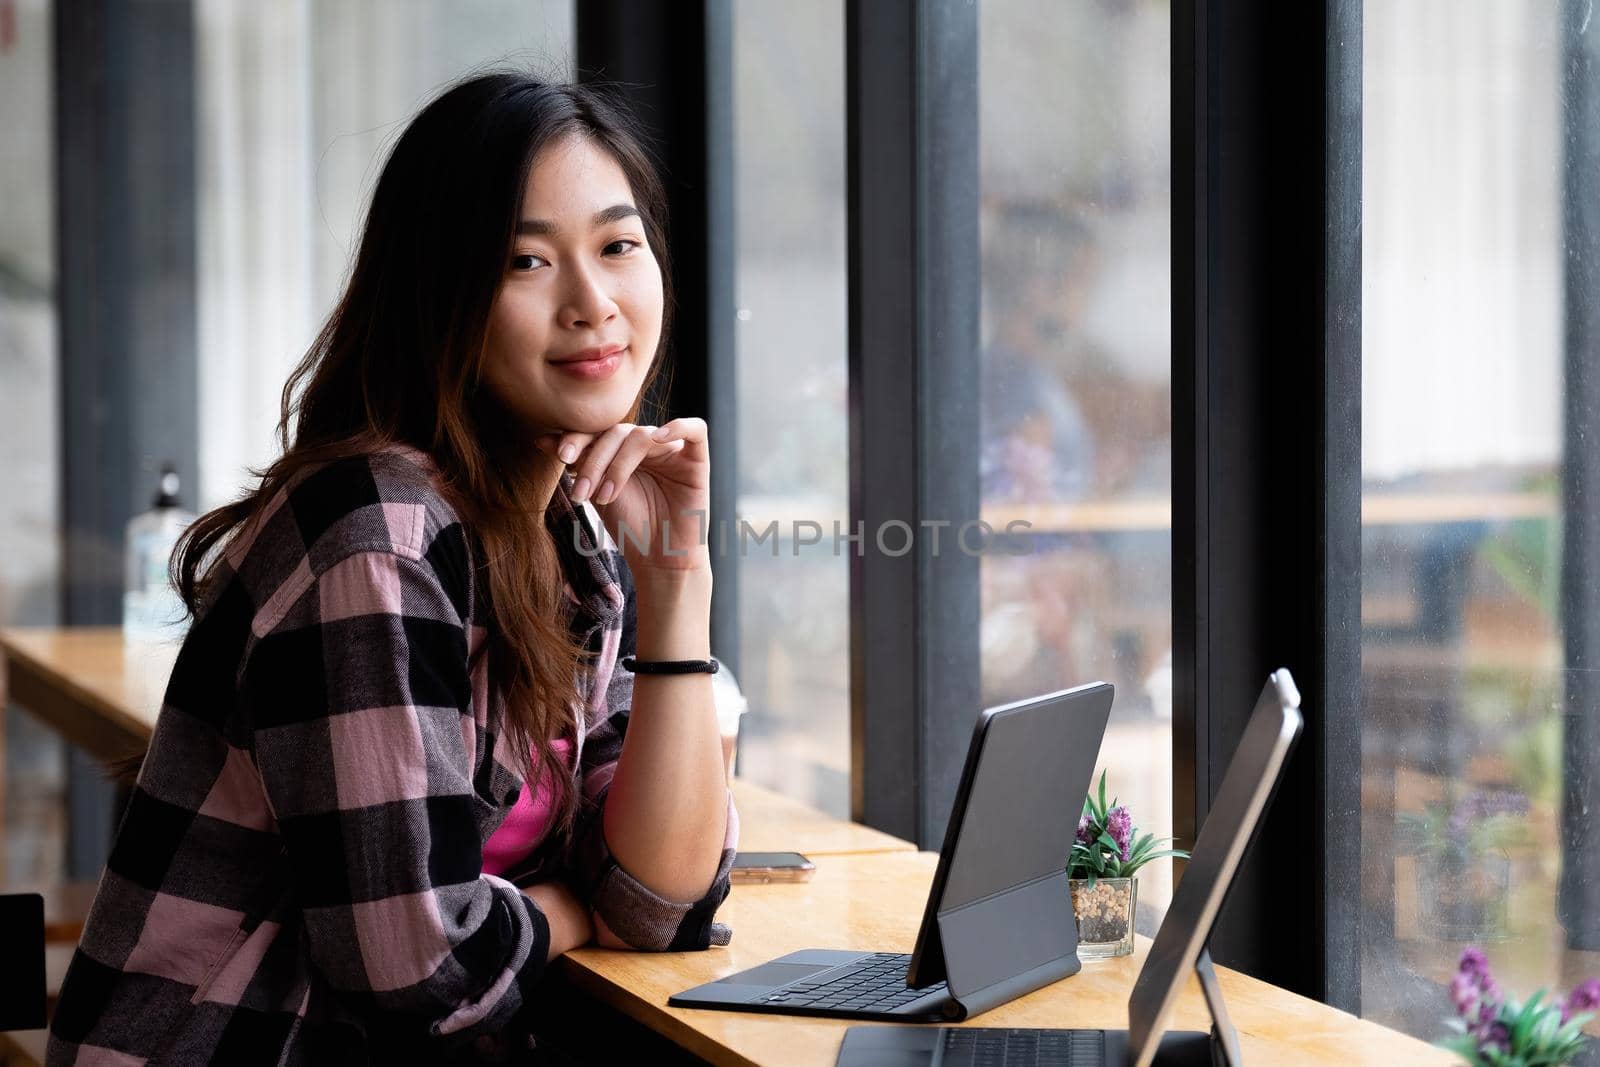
593, 418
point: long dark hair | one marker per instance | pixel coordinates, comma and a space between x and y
399, 361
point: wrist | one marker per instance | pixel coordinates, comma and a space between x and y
673, 615
671, 588
692, 564
660, 643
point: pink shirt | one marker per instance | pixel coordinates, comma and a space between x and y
525, 824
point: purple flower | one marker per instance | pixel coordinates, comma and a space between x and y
1120, 825
1496, 1037
1479, 806
1086, 833
1585, 997
1475, 995
1504, 802
1480, 1006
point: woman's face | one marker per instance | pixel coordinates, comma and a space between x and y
578, 314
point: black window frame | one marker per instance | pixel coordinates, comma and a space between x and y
912, 178
1266, 361
1578, 902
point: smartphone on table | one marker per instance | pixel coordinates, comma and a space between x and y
757, 868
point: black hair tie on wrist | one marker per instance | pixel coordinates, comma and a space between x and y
670, 666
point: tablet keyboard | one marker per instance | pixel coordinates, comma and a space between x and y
1023, 1048
877, 983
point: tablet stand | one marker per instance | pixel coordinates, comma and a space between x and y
1224, 1036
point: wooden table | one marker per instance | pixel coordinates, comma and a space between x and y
874, 901
772, 822
98, 690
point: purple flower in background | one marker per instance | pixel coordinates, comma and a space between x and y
1586, 997
1496, 1037
1462, 818
1085, 831
1492, 1030
1463, 993
1475, 995
1506, 802
1490, 992
1120, 825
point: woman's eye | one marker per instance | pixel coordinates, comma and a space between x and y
527, 261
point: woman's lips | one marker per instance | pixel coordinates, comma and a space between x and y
592, 370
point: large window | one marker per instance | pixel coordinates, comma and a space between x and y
1076, 400
792, 398
1468, 705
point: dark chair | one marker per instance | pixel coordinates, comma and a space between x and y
22, 999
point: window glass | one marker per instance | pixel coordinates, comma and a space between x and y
1473, 723
792, 392
1076, 370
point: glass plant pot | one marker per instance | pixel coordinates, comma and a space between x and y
1105, 916
1464, 899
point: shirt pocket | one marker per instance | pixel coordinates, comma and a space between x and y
272, 899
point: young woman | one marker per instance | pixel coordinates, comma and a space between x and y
399, 765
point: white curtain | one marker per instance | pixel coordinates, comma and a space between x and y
1462, 301
257, 298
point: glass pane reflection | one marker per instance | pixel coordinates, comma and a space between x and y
1467, 698
1076, 405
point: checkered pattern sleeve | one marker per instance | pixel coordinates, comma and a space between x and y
631, 909
360, 701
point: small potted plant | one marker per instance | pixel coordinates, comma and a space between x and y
1107, 853
1492, 1030
1463, 867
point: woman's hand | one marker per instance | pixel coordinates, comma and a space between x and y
570, 927
652, 487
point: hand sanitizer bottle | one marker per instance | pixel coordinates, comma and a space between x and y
151, 607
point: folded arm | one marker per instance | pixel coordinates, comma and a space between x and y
659, 832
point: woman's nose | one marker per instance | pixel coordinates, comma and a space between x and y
589, 302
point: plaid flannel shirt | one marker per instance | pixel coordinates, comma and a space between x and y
297, 878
